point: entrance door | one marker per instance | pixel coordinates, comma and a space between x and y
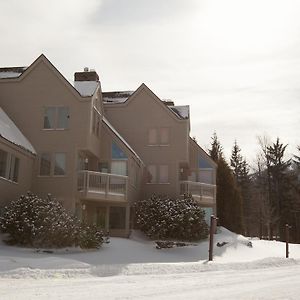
101, 217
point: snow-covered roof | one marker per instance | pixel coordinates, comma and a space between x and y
11, 72
116, 97
183, 111
86, 88
120, 137
10, 132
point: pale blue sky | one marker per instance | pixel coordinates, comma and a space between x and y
237, 63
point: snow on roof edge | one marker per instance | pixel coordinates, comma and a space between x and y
10, 132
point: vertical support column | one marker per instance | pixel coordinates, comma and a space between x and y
107, 185
287, 237
213, 223
127, 220
107, 209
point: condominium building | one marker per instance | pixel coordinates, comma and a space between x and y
96, 152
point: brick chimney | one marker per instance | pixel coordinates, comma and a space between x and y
86, 75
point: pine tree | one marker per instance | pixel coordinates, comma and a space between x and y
236, 162
229, 200
216, 151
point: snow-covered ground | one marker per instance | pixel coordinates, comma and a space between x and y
134, 268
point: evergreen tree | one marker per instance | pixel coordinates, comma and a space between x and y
229, 200
236, 162
216, 151
280, 184
240, 169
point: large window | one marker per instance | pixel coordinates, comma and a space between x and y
117, 217
53, 164
9, 166
56, 117
117, 152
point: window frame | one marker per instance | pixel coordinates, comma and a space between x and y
11, 173
52, 156
56, 119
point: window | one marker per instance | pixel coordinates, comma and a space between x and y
59, 164
103, 167
158, 136
63, 117
53, 164
9, 166
117, 217
164, 136
49, 118
56, 117
3, 163
117, 152
163, 174
152, 136
119, 167
158, 174
14, 168
45, 164
152, 174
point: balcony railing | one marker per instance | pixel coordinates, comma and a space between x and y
102, 186
202, 192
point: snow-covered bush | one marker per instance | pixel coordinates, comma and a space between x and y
38, 222
165, 218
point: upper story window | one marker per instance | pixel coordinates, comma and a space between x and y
9, 166
158, 136
53, 164
56, 117
164, 136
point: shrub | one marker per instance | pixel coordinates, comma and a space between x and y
33, 221
166, 218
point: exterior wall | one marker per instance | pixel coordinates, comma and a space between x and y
11, 190
142, 112
25, 99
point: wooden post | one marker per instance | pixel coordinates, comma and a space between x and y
213, 220
287, 234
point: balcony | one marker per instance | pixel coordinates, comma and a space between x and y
203, 193
102, 186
